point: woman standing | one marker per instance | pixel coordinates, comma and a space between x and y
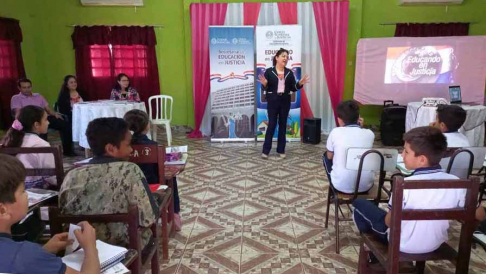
278, 81
68, 96
123, 91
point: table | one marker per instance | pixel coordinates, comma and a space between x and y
85, 112
473, 128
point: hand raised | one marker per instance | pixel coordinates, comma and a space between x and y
304, 80
262, 80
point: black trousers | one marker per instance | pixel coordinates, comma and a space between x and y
278, 108
65, 130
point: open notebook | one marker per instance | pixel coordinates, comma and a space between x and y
109, 255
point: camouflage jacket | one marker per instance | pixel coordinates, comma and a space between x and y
106, 186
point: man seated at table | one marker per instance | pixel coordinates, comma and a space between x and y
449, 120
109, 183
56, 121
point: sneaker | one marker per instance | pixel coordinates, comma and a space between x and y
282, 156
264, 156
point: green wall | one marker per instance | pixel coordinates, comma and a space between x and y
48, 53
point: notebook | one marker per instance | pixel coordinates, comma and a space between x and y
109, 255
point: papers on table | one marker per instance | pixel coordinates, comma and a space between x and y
38, 195
119, 268
109, 256
176, 155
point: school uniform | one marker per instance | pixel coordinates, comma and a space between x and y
416, 236
338, 142
456, 139
278, 91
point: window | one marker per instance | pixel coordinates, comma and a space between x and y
6, 62
131, 60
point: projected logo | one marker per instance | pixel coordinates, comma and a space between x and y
425, 65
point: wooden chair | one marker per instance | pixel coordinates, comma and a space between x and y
155, 154
390, 256
147, 255
56, 151
377, 160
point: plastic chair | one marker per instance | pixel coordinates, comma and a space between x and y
162, 115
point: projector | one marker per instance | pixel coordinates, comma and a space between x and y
433, 102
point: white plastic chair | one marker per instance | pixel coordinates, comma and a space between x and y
162, 115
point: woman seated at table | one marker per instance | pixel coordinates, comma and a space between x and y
123, 91
68, 96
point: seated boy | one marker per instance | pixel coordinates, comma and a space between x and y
27, 257
423, 149
449, 120
108, 183
348, 134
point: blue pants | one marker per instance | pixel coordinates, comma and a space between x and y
278, 107
370, 219
327, 164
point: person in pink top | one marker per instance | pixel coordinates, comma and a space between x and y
56, 121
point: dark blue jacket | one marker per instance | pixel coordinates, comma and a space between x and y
151, 171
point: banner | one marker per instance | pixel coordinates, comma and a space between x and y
269, 40
232, 81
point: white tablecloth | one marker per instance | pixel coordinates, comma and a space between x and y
83, 113
473, 128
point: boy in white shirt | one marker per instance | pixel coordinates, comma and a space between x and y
449, 120
423, 149
348, 134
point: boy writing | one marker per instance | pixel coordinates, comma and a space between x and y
27, 257
423, 149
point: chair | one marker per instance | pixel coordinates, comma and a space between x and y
460, 163
377, 160
390, 256
57, 171
146, 256
154, 154
163, 115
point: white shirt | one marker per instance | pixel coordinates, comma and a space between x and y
339, 140
426, 236
456, 139
37, 160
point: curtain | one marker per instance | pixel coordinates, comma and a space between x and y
288, 16
93, 61
11, 66
250, 13
431, 30
332, 30
134, 54
202, 16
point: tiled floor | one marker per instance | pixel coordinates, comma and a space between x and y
242, 214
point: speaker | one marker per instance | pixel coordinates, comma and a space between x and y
312, 130
392, 126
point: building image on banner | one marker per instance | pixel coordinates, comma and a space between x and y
269, 39
232, 94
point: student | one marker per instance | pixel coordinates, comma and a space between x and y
423, 149
31, 122
348, 134
26, 257
139, 124
56, 121
449, 120
108, 183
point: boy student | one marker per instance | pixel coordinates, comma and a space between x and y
348, 134
423, 149
27, 257
108, 183
449, 119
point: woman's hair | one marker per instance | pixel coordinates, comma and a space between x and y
27, 117
279, 52
137, 120
64, 92
118, 78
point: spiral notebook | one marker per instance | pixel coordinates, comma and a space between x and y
109, 255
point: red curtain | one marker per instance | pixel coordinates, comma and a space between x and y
93, 61
288, 16
202, 16
332, 31
250, 13
431, 30
134, 55
11, 65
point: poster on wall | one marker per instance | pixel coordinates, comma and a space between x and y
232, 63
269, 39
